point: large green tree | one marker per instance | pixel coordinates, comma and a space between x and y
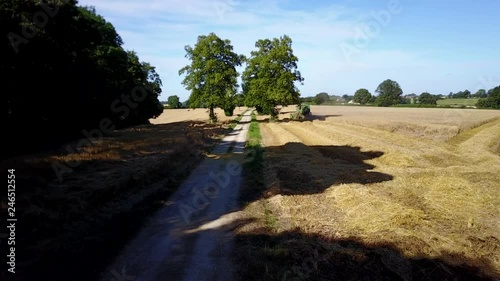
240, 99
174, 102
211, 77
389, 93
64, 70
270, 76
362, 96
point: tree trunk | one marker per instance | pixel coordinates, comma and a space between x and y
211, 115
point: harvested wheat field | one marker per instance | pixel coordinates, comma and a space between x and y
196, 114
361, 193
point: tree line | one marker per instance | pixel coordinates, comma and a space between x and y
390, 93
64, 70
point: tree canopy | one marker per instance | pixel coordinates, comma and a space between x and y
389, 93
270, 74
174, 102
493, 99
481, 93
321, 98
460, 95
426, 98
362, 96
64, 70
211, 77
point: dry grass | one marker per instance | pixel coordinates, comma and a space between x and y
419, 181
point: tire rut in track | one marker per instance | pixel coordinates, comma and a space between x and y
485, 137
472, 133
275, 135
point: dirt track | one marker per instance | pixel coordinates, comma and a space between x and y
191, 238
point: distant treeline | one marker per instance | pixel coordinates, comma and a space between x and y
390, 94
64, 72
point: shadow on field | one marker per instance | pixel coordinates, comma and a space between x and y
312, 117
298, 169
294, 255
308, 118
72, 228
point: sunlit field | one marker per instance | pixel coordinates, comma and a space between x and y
197, 114
381, 191
438, 124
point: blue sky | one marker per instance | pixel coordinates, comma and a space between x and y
424, 45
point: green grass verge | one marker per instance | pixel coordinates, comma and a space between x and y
253, 170
254, 137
